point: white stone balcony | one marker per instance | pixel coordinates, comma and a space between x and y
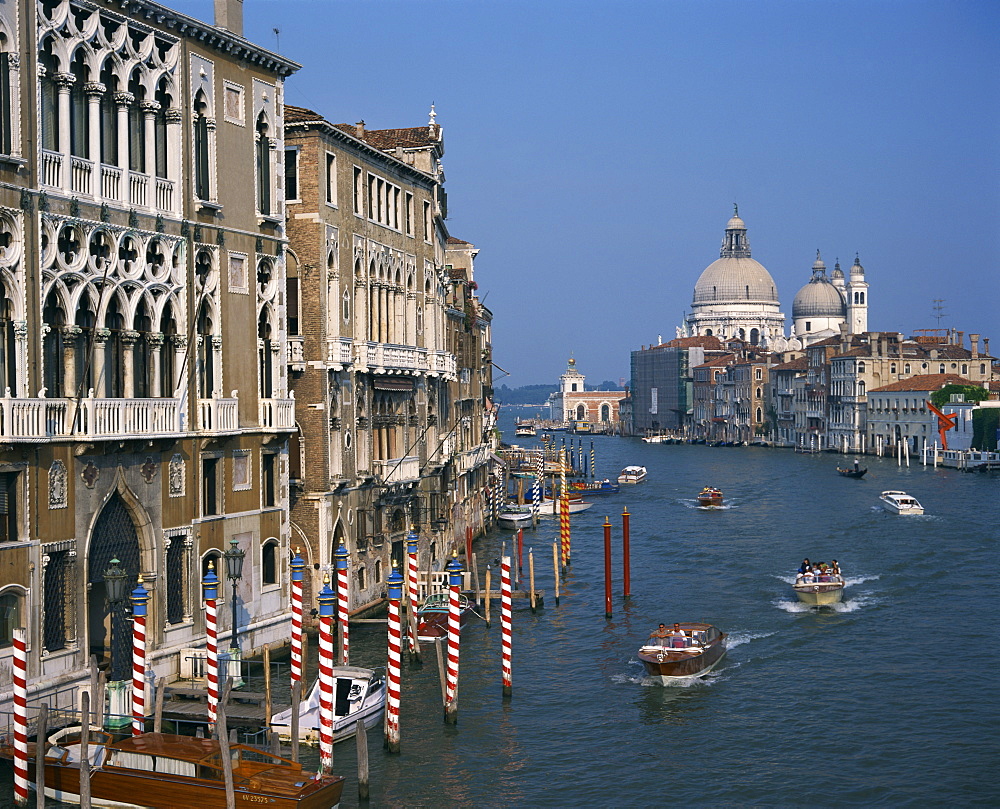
219, 415
398, 470
441, 452
278, 414
470, 459
296, 352
36, 420
101, 182
339, 352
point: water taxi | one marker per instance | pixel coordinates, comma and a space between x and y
432, 615
686, 650
526, 428
900, 503
818, 589
357, 694
594, 487
710, 497
632, 474
161, 771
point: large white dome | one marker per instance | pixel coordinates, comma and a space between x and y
735, 280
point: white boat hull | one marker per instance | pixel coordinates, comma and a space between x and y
368, 705
820, 595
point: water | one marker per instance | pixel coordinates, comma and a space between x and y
890, 699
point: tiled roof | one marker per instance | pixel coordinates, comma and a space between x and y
725, 359
295, 115
454, 240
411, 138
798, 364
925, 382
699, 340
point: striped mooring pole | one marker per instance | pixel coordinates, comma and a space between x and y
326, 610
412, 585
343, 601
298, 567
20, 717
505, 627
140, 601
211, 589
454, 569
395, 585
564, 528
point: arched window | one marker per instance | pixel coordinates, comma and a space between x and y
49, 97
136, 133
109, 117
163, 100
378, 571
202, 184
605, 412
11, 602
269, 562
264, 341
708, 332
759, 373
861, 367
79, 118
759, 416
6, 131
361, 578
8, 361
892, 368
263, 167
906, 368
861, 387
581, 413
965, 368
347, 306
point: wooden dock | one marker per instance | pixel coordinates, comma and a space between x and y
186, 703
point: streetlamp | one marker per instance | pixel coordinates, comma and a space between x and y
234, 571
116, 592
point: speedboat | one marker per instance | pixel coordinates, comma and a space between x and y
432, 615
819, 589
357, 694
157, 770
513, 516
691, 650
900, 503
710, 497
632, 474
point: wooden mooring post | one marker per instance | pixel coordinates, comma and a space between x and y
85, 750
41, 734
296, 701
487, 596
555, 569
531, 578
362, 747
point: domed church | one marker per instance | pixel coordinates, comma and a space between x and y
822, 305
735, 295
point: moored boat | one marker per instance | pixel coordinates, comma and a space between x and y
710, 497
819, 589
513, 516
594, 487
632, 474
688, 650
896, 502
164, 771
357, 694
432, 615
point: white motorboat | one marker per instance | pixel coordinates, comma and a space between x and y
549, 507
900, 503
513, 516
632, 474
357, 694
819, 589
525, 428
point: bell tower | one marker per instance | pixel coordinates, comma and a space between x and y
857, 299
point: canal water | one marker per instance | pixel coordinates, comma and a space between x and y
889, 699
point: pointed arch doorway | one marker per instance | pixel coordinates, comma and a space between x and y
114, 537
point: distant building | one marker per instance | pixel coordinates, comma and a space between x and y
823, 305
898, 412
572, 402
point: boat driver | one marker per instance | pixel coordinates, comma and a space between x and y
660, 634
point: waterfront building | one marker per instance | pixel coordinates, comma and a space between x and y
787, 386
735, 296
574, 403
708, 420
147, 413
898, 413
390, 350
662, 383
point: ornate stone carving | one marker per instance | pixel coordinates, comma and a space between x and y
176, 476
57, 485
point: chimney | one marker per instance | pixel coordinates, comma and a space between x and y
359, 130
229, 16
843, 338
974, 340
986, 346
961, 339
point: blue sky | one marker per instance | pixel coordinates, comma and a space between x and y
594, 150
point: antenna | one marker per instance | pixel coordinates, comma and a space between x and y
939, 310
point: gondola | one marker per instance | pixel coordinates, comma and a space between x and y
852, 473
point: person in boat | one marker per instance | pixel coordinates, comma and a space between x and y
835, 568
677, 636
659, 634
805, 565
857, 464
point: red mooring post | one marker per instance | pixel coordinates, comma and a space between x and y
607, 568
625, 555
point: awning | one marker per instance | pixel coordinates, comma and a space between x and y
392, 383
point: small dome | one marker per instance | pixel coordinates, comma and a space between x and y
818, 298
736, 223
857, 269
838, 274
818, 263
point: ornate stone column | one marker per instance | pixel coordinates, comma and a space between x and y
21, 356
71, 337
94, 91
129, 339
64, 83
155, 341
216, 366
122, 102
179, 343
100, 383
174, 117
149, 110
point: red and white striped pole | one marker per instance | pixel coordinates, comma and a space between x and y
564, 528
454, 569
505, 626
412, 574
21, 718
211, 585
395, 585
326, 610
140, 600
298, 566
343, 602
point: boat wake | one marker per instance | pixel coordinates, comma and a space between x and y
853, 581
850, 605
739, 638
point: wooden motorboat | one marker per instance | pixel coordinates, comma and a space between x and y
710, 497
357, 694
900, 503
432, 615
852, 473
632, 474
513, 516
163, 771
549, 507
819, 589
694, 652
594, 487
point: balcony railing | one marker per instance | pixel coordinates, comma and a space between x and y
296, 352
277, 414
218, 415
88, 178
339, 351
472, 458
41, 419
398, 470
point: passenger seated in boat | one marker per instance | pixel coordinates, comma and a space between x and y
659, 635
678, 640
805, 565
835, 568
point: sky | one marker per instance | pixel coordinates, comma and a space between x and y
594, 150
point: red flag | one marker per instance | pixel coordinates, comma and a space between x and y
945, 422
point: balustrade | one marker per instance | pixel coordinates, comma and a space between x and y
82, 176
277, 414
111, 183
397, 470
218, 415
52, 168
